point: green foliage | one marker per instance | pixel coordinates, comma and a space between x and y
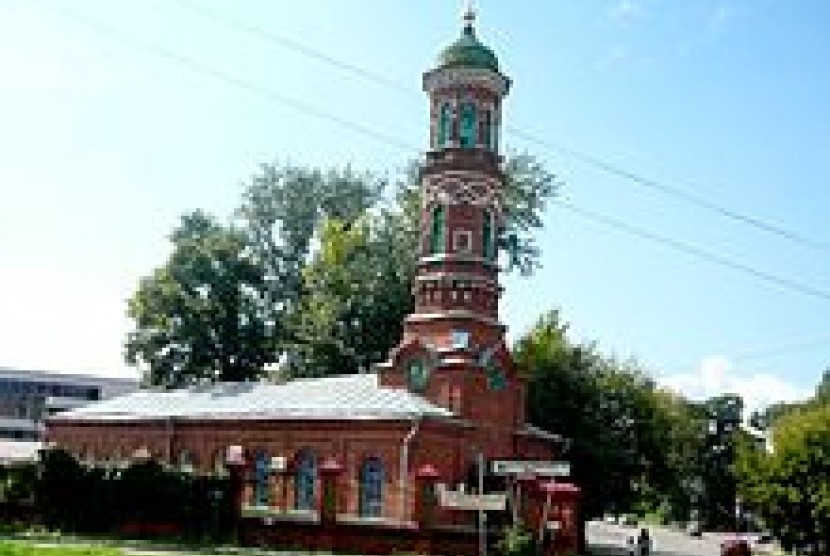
790, 488
199, 316
517, 541
17, 483
19, 548
724, 415
229, 301
527, 189
357, 293
72, 497
632, 445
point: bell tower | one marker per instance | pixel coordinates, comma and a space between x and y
453, 349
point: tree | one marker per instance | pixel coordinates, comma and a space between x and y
343, 304
823, 388
790, 488
282, 208
527, 189
230, 301
357, 293
633, 446
565, 395
718, 503
200, 316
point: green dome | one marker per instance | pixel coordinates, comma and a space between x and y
468, 52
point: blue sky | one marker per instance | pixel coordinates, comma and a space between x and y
106, 137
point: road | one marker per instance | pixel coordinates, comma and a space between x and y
610, 539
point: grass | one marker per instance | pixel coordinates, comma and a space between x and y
22, 548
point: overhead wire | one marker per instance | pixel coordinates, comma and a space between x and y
314, 111
591, 160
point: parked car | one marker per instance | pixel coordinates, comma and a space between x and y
735, 547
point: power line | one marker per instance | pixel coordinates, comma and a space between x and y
271, 94
588, 159
279, 40
697, 252
316, 112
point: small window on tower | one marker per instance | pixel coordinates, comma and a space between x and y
494, 136
436, 236
488, 125
487, 236
468, 126
444, 126
462, 241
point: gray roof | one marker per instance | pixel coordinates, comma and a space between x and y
19, 451
351, 397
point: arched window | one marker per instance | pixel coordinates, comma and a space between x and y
305, 481
437, 237
371, 488
468, 126
219, 467
494, 135
487, 236
262, 469
444, 125
185, 461
487, 129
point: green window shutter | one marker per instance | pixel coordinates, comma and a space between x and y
444, 126
468, 125
436, 236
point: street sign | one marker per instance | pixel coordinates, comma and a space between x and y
531, 467
458, 500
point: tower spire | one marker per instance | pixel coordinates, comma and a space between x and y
469, 15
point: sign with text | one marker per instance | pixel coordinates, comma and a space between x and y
541, 468
459, 500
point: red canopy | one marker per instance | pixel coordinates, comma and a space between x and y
559, 491
427, 472
331, 466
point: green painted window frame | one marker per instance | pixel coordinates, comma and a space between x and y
437, 235
487, 250
488, 129
444, 125
467, 125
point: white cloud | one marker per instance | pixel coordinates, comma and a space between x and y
716, 376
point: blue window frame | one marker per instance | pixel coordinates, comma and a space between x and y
262, 469
371, 488
305, 481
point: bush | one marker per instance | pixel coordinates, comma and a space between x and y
145, 496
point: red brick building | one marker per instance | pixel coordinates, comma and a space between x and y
448, 394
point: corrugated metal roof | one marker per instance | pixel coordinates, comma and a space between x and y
351, 397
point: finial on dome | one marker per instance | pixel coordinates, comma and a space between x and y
469, 15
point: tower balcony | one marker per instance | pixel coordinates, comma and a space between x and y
456, 158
